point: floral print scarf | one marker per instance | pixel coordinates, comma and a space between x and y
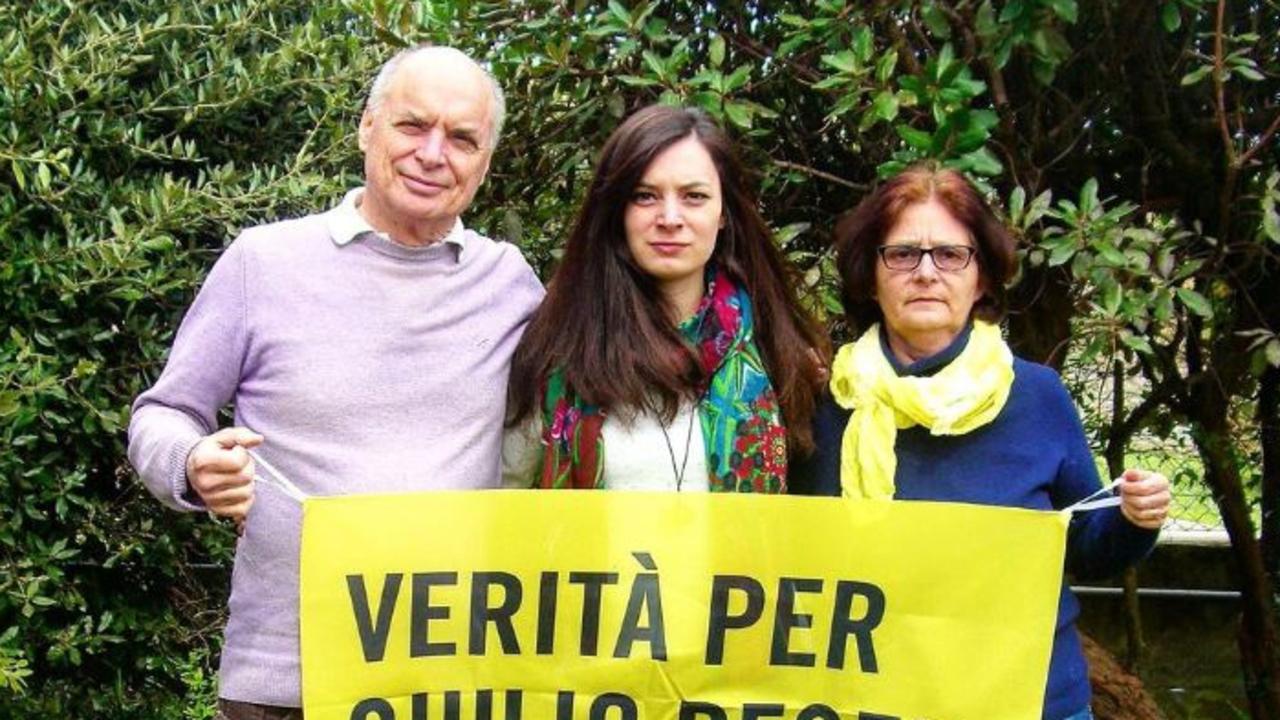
742, 430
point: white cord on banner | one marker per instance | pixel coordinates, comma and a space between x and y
276, 479
1096, 501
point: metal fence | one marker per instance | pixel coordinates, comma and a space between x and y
1193, 518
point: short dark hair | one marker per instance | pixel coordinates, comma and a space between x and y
861, 232
603, 322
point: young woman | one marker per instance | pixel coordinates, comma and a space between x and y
670, 352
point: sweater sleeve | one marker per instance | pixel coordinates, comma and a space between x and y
199, 378
1100, 543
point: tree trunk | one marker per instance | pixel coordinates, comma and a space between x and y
1117, 694
1269, 432
1117, 443
1258, 633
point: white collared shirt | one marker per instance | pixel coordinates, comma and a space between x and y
347, 224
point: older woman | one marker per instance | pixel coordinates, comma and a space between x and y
930, 404
670, 353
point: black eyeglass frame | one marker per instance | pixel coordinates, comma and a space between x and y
970, 250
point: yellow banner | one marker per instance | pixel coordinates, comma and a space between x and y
536, 605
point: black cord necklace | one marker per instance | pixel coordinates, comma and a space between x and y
671, 451
688, 436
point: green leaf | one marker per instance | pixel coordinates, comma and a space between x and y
1243, 71
971, 137
912, 84
8, 403
1003, 51
1088, 196
884, 68
885, 105
680, 56
44, 179
1051, 45
1196, 75
606, 30
832, 81
762, 111
936, 21
656, 65
986, 119
711, 102
637, 81
1136, 343
1164, 306
1039, 206
1271, 223
1187, 269
946, 59
918, 139
844, 61
620, 13
1111, 297
1065, 9
982, 162
708, 78
716, 52
739, 114
844, 104
1170, 17
617, 105
984, 23
784, 235
862, 45
1017, 201
1109, 254
1013, 10
1272, 352
1061, 255
967, 87
738, 77
1195, 302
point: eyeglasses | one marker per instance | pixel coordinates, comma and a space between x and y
948, 258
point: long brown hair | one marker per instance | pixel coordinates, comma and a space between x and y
861, 232
604, 323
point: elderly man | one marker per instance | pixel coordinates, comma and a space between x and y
366, 348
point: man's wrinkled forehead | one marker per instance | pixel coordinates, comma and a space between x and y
433, 84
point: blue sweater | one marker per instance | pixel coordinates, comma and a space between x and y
1033, 455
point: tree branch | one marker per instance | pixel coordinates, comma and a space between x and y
821, 174
905, 56
755, 50
1262, 142
1220, 103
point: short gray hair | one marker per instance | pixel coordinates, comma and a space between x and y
378, 90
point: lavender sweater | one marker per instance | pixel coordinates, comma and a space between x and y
368, 366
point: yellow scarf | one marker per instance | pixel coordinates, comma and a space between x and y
965, 395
